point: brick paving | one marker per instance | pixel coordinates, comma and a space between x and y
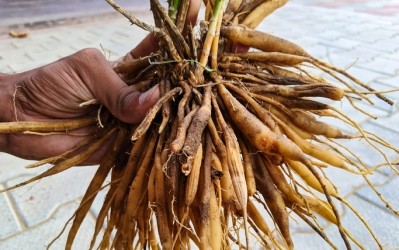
345, 33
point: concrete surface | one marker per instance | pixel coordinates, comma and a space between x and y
362, 34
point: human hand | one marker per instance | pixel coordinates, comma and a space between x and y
56, 92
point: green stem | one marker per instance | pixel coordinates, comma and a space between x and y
174, 9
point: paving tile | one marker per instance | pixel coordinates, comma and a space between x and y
312, 241
42, 58
386, 226
386, 127
354, 30
378, 29
342, 60
375, 110
9, 224
79, 44
368, 155
342, 43
392, 81
4, 68
99, 200
391, 56
368, 38
381, 176
345, 107
6, 45
21, 67
19, 57
388, 132
388, 45
358, 54
382, 65
366, 76
20, 43
319, 51
36, 202
387, 189
341, 124
330, 34
344, 181
12, 166
39, 236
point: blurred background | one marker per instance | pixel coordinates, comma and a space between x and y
30, 13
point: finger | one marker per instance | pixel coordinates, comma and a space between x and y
192, 13
106, 86
122, 101
238, 48
39, 147
134, 105
148, 45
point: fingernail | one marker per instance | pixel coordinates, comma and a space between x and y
149, 96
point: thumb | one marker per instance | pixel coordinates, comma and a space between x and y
122, 101
132, 106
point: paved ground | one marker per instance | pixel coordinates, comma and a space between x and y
22, 14
345, 33
382, 8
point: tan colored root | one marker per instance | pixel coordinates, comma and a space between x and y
45, 126
177, 145
355, 80
228, 195
164, 87
54, 159
343, 233
256, 16
360, 217
248, 163
262, 41
84, 202
146, 123
67, 163
316, 229
275, 58
197, 126
94, 186
275, 203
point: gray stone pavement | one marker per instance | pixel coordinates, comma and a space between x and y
366, 42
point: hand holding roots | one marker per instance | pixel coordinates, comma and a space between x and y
234, 138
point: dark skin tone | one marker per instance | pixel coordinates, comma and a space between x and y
55, 92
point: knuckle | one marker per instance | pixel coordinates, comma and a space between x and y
87, 56
90, 52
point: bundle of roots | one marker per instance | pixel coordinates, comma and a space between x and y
235, 144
